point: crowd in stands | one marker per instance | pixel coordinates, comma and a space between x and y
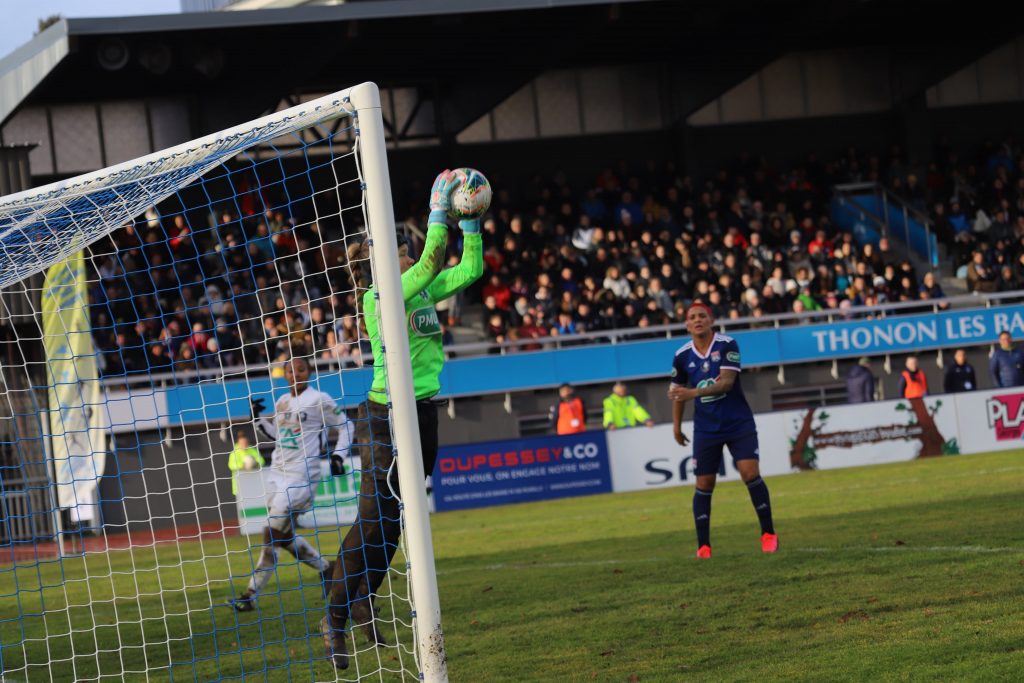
630, 248
977, 207
634, 248
197, 292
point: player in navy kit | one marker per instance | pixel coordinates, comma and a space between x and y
707, 371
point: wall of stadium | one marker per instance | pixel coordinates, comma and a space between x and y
790, 441
151, 478
218, 401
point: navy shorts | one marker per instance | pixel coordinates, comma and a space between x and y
707, 451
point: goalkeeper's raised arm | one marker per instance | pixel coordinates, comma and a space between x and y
366, 552
423, 285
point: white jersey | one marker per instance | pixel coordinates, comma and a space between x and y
346, 434
299, 426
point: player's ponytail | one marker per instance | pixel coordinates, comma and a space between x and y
359, 263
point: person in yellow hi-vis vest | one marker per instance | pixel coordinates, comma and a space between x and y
621, 410
244, 457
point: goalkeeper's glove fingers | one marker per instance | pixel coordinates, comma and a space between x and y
470, 226
258, 406
440, 193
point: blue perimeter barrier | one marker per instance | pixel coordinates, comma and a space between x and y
521, 470
218, 401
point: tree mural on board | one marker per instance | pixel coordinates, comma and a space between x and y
920, 426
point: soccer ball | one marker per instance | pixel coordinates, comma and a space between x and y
250, 463
472, 196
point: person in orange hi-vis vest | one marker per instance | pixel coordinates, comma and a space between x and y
913, 382
569, 415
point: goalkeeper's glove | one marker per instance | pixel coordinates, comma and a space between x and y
338, 468
470, 226
257, 405
440, 197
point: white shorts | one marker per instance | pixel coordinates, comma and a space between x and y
287, 495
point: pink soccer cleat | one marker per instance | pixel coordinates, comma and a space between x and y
704, 552
769, 543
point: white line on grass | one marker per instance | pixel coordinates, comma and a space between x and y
970, 549
503, 566
966, 549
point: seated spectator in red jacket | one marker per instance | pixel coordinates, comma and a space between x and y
500, 291
494, 259
820, 243
530, 330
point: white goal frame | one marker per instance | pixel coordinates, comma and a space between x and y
176, 167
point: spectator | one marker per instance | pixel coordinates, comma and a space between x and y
564, 326
913, 382
622, 410
243, 457
1006, 366
960, 375
500, 292
1008, 281
860, 382
447, 338
158, 359
980, 277
931, 289
886, 254
496, 331
568, 415
614, 282
808, 301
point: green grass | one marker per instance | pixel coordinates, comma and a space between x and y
910, 571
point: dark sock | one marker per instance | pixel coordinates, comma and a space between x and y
702, 516
762, 504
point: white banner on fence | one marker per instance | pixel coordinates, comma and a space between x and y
816, 438
649, 457
991, 420
872, 433
645, 458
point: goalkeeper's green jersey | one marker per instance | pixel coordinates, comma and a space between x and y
423, 285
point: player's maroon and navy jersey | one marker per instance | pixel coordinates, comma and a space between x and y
725, 415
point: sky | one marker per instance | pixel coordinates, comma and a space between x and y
19, 18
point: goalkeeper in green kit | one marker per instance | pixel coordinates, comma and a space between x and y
370, 544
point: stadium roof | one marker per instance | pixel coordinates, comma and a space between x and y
471, 55
25, 68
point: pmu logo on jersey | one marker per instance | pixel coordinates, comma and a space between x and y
424, 322
1006, 416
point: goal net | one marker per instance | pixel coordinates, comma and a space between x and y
171, 297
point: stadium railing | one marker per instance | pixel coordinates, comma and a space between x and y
893, 215
614, 336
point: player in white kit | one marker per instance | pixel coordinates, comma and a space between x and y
300, 423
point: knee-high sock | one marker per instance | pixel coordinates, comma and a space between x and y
365, 554
762, 504
264, 570
702, 516
307, 554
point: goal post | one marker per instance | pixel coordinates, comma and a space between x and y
205, 265
420, 550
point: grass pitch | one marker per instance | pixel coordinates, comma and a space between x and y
910, 571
